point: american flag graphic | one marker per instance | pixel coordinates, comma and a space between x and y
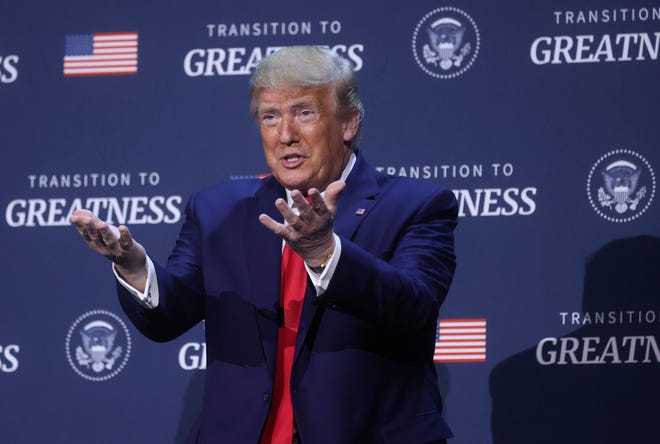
460, 340
101, 54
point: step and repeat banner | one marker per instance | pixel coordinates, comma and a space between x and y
541, 116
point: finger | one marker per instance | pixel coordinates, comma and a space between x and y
81, 220
79, 217
81, 227
273, 225
318, 204
92, 231
332, 193
101, 231
298, 224
85, 234
300, 204
109, 236
289, 214
125, 238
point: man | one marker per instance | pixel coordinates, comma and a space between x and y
378, 262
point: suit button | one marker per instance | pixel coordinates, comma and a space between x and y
266, 398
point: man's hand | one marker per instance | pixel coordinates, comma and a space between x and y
309, 227
114, 243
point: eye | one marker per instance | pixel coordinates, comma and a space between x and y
269, 119
307, 115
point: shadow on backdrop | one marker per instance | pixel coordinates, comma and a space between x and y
542, 395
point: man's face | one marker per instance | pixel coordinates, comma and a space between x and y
304, 140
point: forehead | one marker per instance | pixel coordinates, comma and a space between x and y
282, 98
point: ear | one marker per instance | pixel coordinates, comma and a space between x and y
350, 126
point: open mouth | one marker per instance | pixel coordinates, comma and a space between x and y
292, 160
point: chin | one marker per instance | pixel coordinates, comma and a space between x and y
292, 183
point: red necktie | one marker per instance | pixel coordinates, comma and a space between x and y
279, 426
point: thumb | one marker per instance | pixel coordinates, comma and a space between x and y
332, 193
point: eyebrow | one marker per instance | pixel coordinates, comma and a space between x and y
303, 104
266, 110
294, 107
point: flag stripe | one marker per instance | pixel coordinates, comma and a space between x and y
115, 43
459, 358
103, 63
97, 71
454, 348
460, 340
462, 323
103, 57
462, 330
460, 337
115, 49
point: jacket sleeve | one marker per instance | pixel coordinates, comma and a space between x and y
181, 300
399, 279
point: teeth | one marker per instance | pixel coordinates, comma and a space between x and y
292, 157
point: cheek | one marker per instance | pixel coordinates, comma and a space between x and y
271, 159
268, 144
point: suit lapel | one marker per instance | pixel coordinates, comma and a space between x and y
357, 199
353, 205
264, 253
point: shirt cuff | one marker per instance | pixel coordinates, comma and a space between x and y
321, 281
148, 298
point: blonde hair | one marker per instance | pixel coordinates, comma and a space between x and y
308, 66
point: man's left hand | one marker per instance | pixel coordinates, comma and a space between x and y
308, 227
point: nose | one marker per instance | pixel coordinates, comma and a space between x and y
288, 131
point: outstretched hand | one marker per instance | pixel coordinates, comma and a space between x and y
114, 243
308, 227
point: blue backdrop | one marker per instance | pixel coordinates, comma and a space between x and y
542, 116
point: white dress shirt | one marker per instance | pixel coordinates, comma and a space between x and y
149, 298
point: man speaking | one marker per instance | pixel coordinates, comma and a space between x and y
319, 286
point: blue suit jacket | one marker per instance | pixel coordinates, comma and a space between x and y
363, 370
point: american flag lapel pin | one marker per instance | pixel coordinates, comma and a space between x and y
360, 211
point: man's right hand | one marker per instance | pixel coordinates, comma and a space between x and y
114, 243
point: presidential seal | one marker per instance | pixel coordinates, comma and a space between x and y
98, 345
621, 185
445, 42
